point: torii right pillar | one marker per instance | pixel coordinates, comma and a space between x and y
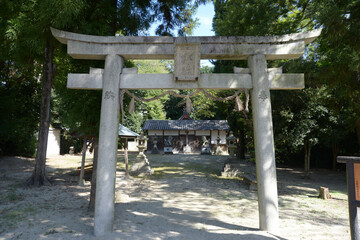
264, 145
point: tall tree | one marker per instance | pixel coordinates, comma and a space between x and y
29, 35
19, 86
339, 52
44, 14
26, 25
244, 18
331, 65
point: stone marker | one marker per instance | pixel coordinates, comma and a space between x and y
324, 193
141, 166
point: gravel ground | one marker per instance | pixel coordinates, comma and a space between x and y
184, 199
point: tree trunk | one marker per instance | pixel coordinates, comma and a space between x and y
81, 178
39, 178
242, 143
358, 131
91, 206
335, 151
114, 19
307, 148
126, 157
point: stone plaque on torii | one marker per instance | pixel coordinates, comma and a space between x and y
187, 52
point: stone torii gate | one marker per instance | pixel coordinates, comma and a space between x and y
187, 52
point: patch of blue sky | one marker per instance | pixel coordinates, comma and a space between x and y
204, 14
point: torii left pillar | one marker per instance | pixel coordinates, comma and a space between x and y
264, 145
106, 167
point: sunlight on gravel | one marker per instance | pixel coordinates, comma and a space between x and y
185, 199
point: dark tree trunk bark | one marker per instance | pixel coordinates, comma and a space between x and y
126, 157
38, 178
113, 23
91, 206
335, 150
83, 158
307, 148
242, 143
358, 131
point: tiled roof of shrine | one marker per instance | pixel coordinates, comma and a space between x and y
186, 125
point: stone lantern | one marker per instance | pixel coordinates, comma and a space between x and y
231, 142
141, 140
141, 166
218, 150
155, 149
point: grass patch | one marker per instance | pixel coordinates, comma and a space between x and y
9, 217
171, 170
338, 194
167, 172
52, 231
11, 194
19, 236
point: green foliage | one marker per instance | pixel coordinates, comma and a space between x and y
135, 121
153, 109
303, 119
19, 113
203, 108
25, 31
259, 17
153, 66
326, 112
25, 28
338, 53
175, 14
174, 107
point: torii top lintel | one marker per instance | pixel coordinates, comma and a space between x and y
83, 46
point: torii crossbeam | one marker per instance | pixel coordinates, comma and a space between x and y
187, 52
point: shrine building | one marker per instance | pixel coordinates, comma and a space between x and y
185, 134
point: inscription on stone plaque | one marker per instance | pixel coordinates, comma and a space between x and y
357, 181
187, 62
109, 95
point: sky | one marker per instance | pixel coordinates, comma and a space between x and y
205, 14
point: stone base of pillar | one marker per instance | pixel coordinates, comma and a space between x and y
141, 168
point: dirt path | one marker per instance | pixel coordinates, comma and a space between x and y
185, 199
